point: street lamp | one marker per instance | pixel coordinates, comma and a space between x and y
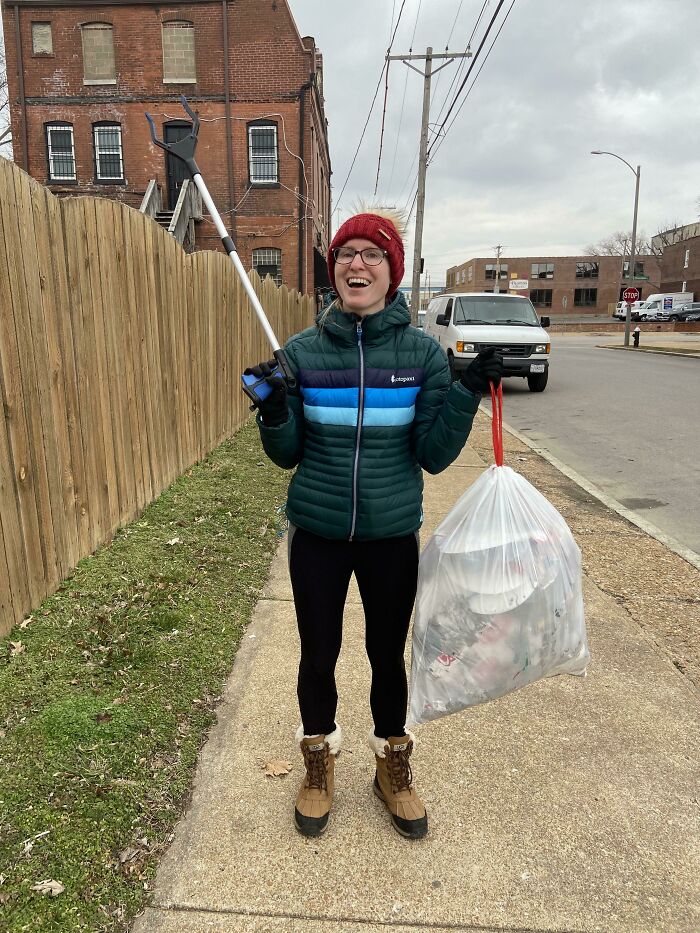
628, 314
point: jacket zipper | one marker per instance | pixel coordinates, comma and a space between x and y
360, 414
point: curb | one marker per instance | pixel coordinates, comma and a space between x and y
680, 549
688, 356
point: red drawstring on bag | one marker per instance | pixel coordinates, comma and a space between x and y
497, 422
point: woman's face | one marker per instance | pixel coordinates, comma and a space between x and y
362, 288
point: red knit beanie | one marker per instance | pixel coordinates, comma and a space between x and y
378, 230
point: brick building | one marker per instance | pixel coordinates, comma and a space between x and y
680, 267
562, 284
82, 73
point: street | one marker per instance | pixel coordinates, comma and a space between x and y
626, 422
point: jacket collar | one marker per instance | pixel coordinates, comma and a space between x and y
342, 326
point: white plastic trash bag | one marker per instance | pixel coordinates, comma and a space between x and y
499, 601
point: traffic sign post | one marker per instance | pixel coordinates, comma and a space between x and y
629, 295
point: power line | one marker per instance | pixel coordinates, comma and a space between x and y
471, 66
386, 94
440, 142
371, 108
462, 64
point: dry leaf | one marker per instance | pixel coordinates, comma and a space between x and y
54, 888
16, 647
126, 855
173, 541
276, 767
26, 622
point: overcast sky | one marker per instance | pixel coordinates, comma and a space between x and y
564, 77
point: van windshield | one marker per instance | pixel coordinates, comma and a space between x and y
494, 309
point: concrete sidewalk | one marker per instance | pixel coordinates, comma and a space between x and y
570, 805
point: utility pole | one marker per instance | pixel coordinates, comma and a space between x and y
497, 286
422, 158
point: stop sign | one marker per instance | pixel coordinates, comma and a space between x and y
630, 294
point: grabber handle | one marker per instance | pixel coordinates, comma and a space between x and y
257, 388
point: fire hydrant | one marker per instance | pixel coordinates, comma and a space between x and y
635, 336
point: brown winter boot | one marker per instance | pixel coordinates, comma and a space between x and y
392, 784
313, 803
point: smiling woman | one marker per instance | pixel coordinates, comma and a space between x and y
372, 406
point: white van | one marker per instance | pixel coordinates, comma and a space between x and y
466, 322
661, 306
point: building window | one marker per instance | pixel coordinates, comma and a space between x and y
470, 273
60, 152
683, 286
98, 54
178, 53
542, 270
638, 268
587, 270
491, 271
109, 164
542, 297
268, 262
42, 41
687, 259
262, 154
585, 297
464, 273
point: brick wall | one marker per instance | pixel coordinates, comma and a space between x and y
564, 282
675, 271
269, 63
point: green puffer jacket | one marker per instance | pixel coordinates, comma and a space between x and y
374, 403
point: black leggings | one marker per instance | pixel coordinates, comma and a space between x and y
387, 575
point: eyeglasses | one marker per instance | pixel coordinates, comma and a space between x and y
370, 256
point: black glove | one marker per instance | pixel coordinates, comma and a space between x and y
273, 409
486, 367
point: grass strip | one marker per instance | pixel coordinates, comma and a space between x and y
107, 693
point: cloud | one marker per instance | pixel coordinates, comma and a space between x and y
515, 167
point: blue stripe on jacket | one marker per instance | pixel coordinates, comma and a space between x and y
372, 417
404, 397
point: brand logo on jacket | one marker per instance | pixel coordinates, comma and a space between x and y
402, 378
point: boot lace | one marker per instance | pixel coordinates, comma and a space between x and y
315, 762
399, 768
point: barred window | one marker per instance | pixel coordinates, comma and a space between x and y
268, 261
60, 152
585, 297
98, 54
109, 164
587, 270
42, 41
542, 297
542, 270
178, 53
262, 154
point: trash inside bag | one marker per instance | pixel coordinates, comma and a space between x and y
499, 601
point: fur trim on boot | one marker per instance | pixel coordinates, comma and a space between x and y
334, 739
378, 745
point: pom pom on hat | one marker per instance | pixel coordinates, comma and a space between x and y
380, 226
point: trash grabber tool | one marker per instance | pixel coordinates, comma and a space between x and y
256, 389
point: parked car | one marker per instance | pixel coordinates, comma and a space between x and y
659, 307
467, 322
685, 313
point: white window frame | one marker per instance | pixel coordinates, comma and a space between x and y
277, 279
687, 259
62, 127
274, 158
107, 151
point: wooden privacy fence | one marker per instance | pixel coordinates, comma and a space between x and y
120, 363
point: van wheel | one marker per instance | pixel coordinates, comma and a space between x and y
537, 382
451, 364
